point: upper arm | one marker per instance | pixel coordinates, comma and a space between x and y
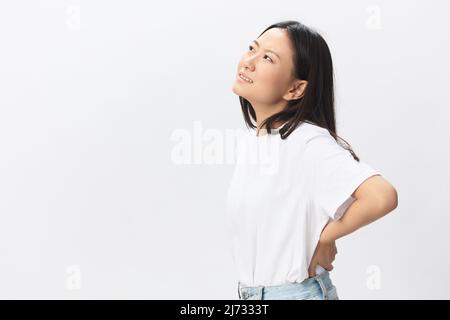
335, 176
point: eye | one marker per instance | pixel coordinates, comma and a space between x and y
250, 48
268, 57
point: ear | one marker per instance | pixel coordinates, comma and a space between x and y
297, 90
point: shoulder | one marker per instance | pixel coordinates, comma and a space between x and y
310, 134
318, 144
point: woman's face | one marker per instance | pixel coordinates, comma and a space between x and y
269, 64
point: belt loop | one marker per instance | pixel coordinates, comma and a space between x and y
322, 286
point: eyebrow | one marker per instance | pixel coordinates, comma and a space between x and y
257, 43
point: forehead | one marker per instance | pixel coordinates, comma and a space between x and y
276, 39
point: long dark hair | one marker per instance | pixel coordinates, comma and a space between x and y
312, 62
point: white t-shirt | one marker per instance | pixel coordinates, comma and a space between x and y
281, 195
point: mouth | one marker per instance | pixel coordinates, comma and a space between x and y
244, 78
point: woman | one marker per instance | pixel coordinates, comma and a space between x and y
286, 209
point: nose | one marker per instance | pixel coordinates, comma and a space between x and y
249, 64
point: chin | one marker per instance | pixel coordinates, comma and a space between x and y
238, 91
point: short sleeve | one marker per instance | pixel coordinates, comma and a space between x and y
333, 175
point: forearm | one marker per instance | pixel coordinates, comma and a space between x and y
359, 214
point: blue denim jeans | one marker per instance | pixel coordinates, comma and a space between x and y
319, 287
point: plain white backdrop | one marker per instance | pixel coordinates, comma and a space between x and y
96, 95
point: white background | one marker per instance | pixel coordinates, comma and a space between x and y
92, 203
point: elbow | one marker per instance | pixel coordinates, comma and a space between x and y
378, 192
389, 199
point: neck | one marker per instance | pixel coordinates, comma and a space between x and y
265, 111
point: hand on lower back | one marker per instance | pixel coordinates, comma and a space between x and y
324, 256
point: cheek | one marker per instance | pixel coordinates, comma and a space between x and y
273, 80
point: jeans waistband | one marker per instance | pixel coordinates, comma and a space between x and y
322, 278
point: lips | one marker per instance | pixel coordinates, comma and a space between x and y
247, 77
